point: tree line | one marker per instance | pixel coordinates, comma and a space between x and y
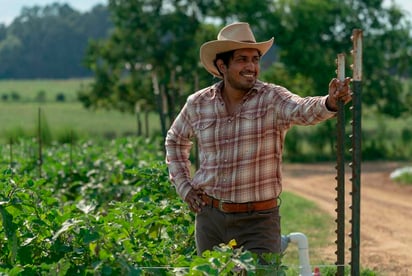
151, 59
50, 41
144, 54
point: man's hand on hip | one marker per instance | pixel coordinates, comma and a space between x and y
194, 200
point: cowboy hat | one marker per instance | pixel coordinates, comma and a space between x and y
232, 37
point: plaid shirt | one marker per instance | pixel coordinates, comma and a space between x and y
240, 154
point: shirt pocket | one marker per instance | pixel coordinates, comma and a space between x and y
256, 123
205, 132
252, 115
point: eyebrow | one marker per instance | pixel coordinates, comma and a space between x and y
244, 55
258, 54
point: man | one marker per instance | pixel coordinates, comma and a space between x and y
240, 125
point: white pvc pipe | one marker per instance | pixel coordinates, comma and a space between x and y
302, 243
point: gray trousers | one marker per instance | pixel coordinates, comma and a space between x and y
258, 232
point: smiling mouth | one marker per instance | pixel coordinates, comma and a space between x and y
250, 75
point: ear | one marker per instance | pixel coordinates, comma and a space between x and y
221, 66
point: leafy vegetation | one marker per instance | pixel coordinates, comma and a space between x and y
107, 208
94, 210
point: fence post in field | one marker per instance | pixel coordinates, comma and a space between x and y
40, 142
71, 152
340, 177
355, 162
158, 95
146, 122
11, 152
138, 111
356, 150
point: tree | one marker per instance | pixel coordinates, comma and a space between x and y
3, 32
50, 41
158, 42
151, 56
309, 35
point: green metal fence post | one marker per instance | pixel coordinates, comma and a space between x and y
340, 167
356, 151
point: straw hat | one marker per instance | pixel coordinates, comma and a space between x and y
232, 37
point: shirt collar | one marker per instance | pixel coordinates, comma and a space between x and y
217, 88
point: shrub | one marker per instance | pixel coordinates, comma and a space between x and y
60, 97
67, 136
15, 96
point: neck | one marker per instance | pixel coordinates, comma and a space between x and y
232, 95
233, 99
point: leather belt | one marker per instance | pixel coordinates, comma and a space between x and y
232, 207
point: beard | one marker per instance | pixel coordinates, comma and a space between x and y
241, 83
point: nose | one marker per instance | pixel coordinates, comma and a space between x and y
251, 65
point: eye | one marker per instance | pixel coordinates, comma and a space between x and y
256, 59
241, 59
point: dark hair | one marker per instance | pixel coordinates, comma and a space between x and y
225, 57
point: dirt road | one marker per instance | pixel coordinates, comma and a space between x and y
386, 212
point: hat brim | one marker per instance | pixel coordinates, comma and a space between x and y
210, 49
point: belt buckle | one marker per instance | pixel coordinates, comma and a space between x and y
221, 202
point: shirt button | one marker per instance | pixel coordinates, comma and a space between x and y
227, 140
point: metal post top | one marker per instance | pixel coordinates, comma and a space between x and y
357, 54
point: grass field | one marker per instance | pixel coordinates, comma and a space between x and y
63, 117
300, 215
20, 118
28, 90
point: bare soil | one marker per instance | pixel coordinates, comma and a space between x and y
386, 212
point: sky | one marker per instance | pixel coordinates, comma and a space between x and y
9, 9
